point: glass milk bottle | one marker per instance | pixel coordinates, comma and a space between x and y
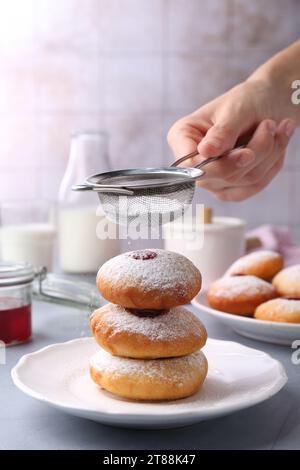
80, 250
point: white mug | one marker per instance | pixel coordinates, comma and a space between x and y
223, 243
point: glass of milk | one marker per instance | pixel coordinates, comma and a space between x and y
81, 249
27, 232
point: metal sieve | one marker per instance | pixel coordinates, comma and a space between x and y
160, 194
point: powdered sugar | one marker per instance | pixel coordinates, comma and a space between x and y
283, 306
291, 274
176, 323
168, 270
232, 287
177, 369
250, 261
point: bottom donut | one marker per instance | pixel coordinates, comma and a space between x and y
150, 380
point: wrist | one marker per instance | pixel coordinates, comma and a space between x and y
275, 89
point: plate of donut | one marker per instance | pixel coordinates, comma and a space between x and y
238, 377
149, 363
258, 298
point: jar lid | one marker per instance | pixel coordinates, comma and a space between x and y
14, 274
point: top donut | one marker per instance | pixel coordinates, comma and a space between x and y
149, 279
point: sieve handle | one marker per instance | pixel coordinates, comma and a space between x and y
102, 189
204, 162
213, 159
185, 157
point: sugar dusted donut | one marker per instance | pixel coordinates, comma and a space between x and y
287, 281
176, 332
158, 379
264, 264
279, 310
149, 279
239, 294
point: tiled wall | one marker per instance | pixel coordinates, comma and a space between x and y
131, 67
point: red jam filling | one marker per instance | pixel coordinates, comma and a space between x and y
143, 254
145, 313
291, 298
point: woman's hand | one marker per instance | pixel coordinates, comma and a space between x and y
248, 113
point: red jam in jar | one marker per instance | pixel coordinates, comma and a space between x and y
15, 323
15, 302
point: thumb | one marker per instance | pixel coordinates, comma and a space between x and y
218, 139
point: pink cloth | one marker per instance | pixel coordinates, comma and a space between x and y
277, 239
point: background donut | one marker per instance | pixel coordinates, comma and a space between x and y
279, 310
239, 294
263, 264
287, 281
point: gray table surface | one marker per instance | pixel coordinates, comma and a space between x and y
28, 424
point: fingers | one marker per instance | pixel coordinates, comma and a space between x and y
265, 172
184, 136
263, 139
285, 131
218, 139
242, 172
229, 167
275, 153
240, 193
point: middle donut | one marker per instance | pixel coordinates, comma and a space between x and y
173, 333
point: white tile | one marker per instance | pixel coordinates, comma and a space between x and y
18, 184
133, 83
241, 64
133, 25
49, 182
69, 24
17, 87
264, 24
18, 138
219, 208
295, 231
295, 200
194, 26
17, 33
54, 136
168, 120
270, 206
192, 81
135, 141
69, 82
293, 152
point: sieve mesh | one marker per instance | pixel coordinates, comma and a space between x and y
157, 203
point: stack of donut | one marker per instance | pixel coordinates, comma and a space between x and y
150, 344
256, 285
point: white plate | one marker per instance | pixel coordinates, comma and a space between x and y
238, 377
262, 330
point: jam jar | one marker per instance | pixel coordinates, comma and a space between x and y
15, 302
